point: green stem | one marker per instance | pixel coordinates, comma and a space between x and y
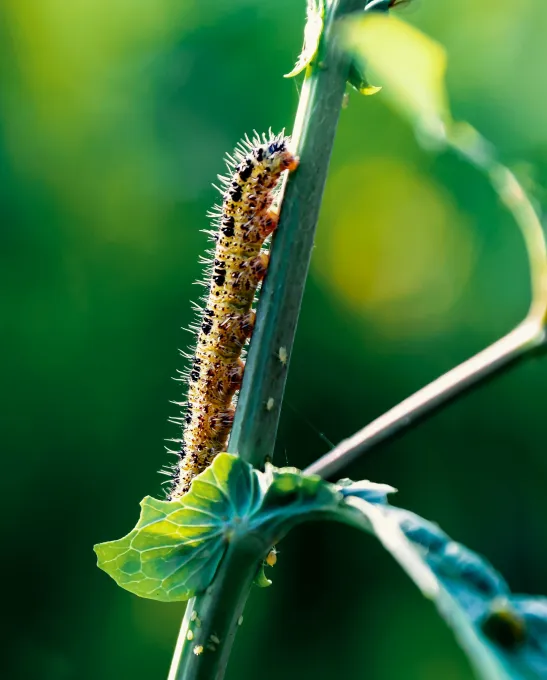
529, 335
211, 620
255, 427
257, 415
474, 148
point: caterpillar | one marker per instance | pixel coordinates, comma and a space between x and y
237, 265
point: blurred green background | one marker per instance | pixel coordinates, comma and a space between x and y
114, 118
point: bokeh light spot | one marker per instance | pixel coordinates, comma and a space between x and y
398, 250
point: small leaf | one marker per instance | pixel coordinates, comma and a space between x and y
315, 12
357, 78
176, 547
358, 81
410, 66
261, 580
504, 635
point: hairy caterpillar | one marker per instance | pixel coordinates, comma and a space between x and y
238, 264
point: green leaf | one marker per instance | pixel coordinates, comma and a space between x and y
261, 580
176, 546
315, 13
409, 65
504, 635
359, 82
357, 78
291, 498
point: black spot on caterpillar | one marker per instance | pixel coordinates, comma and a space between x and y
241, 224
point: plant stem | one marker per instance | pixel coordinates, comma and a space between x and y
518, 343
255, 427
467, 141
218, 614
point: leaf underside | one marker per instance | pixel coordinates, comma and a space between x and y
504, 635
176, 547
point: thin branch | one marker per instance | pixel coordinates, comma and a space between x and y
518, 343
530, 334
467, 141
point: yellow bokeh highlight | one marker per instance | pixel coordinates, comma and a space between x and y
394, 247
77, 113
67, 53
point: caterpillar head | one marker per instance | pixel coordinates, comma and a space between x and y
276, 155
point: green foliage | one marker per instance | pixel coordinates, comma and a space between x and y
176, 547
174, 550
261, 580
358, 80
107, 152
408, 64
412, 66
504, 635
